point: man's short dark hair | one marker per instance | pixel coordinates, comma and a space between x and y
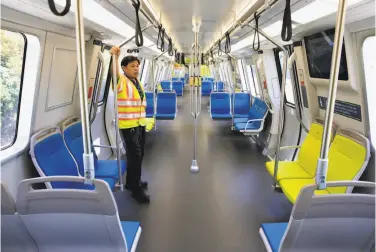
128, 59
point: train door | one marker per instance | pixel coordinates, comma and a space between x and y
97, 104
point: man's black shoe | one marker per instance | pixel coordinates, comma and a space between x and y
140, 196
143, 185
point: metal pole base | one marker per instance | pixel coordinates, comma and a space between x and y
276, 188
194, 166
121, 187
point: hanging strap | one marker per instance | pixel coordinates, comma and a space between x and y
52, 5
286, 32
138, 37
228, 43
219, 48
256, 34
160, 40
170, 49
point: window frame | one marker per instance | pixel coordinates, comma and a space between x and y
294, 84
367, 111
20, 89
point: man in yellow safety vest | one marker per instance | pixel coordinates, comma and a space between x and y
131, 119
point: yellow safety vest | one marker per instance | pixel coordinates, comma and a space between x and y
131, 110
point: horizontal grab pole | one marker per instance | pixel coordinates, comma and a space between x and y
239, 24
131, 38
104, 146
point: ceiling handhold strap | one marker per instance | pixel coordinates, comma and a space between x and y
52, 5
286, 32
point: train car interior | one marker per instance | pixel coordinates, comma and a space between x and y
258, 117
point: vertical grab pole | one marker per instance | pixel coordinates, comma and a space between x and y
117, 133
199, 83
195, 59
233, 68
88, 157
322, 164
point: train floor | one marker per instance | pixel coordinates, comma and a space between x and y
221, 207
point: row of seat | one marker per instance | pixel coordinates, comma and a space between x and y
208, 86
166, 109
248, 119
58, 151
64, 220
349, 153
173, 85
341, 222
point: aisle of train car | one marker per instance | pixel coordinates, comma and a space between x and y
218, 209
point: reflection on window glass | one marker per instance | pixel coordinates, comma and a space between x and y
369, 52
12, 56
319, 49
144, 73
250, 79
257, 85
106, 64
289, 94
241, 74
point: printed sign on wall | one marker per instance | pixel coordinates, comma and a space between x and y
347, 109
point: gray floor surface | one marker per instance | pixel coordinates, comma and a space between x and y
221, 207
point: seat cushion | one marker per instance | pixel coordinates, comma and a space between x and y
274, 233
287, 170
130, 229
165, 116
108, 168
250, 126
346, 161
292, 187
221, 116
240, 120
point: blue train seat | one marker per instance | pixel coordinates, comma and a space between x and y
178, 87
88, 220
254, 124
166, 85
220, 106
51, 157
166, 106
72, 134
347, 219
242, 104
149, 104
206, 88
218, 86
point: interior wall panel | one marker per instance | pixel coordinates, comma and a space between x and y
58, 82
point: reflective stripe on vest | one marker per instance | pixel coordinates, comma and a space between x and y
131, 110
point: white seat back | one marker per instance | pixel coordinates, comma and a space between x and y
63, 220
14, 236
335, 222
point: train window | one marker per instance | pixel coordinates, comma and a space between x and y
319, 48
369, 52
242, 76
106, 64
145, 72
13, 53
289, 93
250, 80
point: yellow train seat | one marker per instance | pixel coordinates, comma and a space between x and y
305, 164
349, 154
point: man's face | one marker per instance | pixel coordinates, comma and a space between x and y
131, 69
